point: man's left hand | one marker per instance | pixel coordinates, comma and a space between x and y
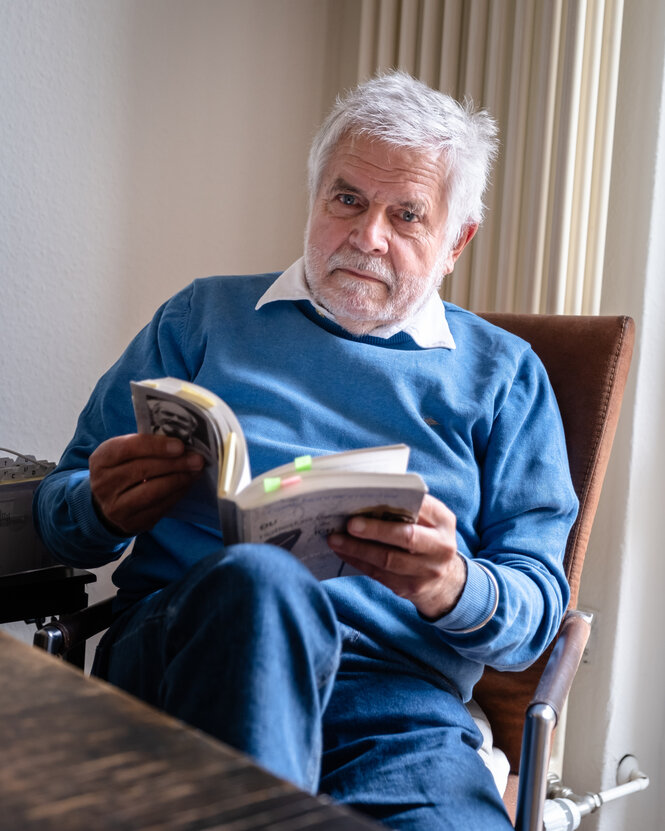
418, 561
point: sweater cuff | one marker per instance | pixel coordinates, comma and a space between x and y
85, 516
477, 604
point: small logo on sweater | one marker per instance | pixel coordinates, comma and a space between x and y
432, 422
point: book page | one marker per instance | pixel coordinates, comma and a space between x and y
170, 407
392, 458
199, 418
159, 412
302, 524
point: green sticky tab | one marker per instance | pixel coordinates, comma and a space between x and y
271, 483
303, 463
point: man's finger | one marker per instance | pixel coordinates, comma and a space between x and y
397, 534
379, 556
139, 507
120, 449
126, 476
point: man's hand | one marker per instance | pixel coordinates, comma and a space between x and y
136, 479
418, 561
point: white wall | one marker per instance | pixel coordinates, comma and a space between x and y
142, 145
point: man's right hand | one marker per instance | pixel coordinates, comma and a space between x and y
136, 479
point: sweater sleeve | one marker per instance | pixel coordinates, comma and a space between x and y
516, 590
63, 511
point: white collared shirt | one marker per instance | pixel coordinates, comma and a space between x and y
428, 326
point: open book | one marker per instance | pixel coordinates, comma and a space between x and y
297, 505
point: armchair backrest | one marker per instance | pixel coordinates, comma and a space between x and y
587, 359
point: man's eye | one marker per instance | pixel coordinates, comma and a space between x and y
409, 216
347, 199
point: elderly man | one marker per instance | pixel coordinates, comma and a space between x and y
353, 686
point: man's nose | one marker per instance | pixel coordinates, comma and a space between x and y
370, 233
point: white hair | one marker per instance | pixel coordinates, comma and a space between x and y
405, 113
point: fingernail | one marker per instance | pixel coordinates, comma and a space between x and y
195, 462
174, 447
357, 525
335, 540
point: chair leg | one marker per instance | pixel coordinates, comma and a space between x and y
76, 656
532, 790
51, 639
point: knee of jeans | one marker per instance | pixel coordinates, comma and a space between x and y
267, 567
257, 594
257, 576
265, 562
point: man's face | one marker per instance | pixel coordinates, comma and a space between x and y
174, 420
377, 244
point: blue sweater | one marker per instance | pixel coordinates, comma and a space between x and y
481, 421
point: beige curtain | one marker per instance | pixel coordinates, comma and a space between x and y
547, 71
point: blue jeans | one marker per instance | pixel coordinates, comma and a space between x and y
247, 647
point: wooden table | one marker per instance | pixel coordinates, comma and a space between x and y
77, 753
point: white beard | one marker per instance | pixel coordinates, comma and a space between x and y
363, 304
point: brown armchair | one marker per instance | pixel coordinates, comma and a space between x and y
587, 359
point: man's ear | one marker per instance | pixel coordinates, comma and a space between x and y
465, 237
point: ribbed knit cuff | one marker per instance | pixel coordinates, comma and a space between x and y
84, 515
477, 604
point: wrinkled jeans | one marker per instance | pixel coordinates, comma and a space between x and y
247, 647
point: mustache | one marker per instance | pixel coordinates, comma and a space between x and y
362, 262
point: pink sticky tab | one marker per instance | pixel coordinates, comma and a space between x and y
291, 480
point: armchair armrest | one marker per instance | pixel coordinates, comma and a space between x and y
542, 716
559, 673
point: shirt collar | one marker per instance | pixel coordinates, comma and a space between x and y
428, 326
